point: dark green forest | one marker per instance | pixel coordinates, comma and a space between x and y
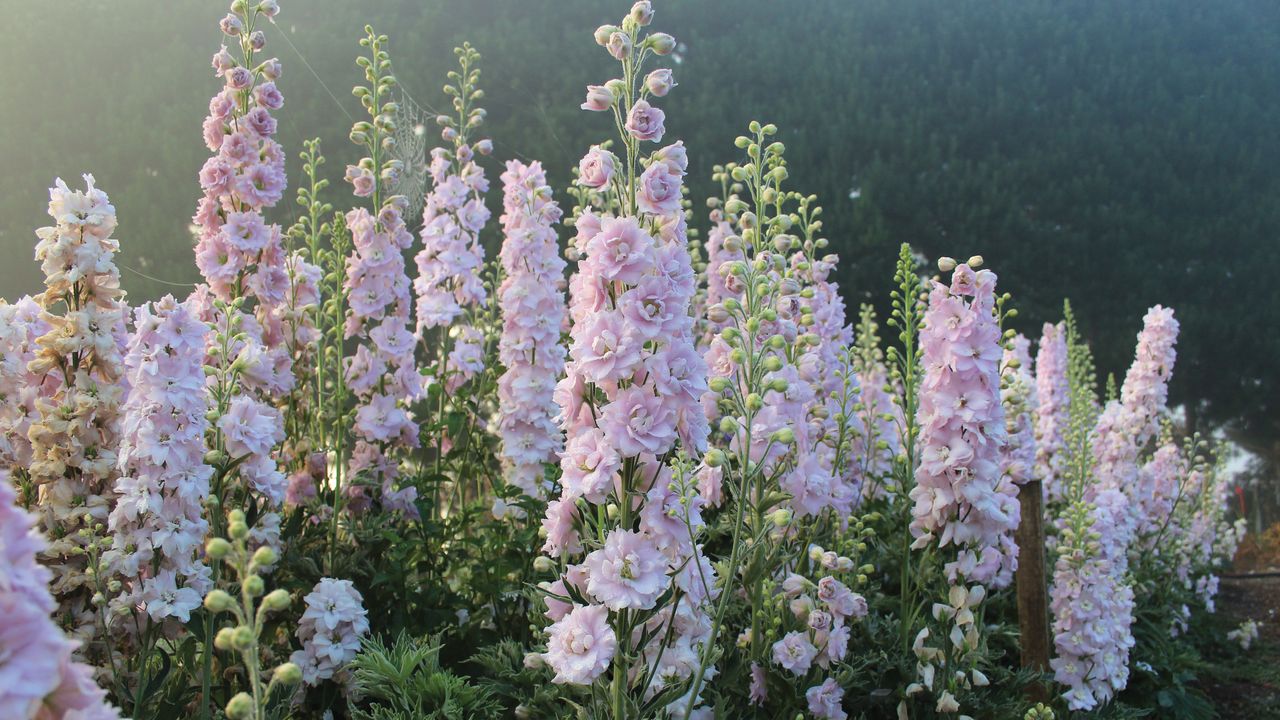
1121, 154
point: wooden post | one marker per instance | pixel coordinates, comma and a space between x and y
1033, 594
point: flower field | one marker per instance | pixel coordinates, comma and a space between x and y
618, 452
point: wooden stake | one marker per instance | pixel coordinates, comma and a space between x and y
1033, 594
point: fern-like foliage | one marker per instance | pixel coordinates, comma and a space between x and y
404, 681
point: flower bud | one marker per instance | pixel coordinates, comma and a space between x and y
714, 458
240, 706
975, 262
543, 564
728, 425
254, 585
946, 264
242, 638
264, 556
786, 436
642, 13
218, 601
277, 600
619, 45
661, 43
238, 530
287, 674
217, 548
222, 640
603, 33
659, 82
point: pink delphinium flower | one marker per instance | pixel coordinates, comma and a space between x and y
330, 629
20, 325
1053, 398
531, 298
824, 700
581, 645
38, 677
630, 409
242, 257
449, 285
957, 496
629, 572
76, 375
158, 522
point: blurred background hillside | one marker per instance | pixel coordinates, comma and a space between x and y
1121, 154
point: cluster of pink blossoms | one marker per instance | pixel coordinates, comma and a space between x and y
20, 325
381, 372
630, 399
531, 298
241, 255
449, 282
330, 630
1127, 425
158, 520
958, 495
1092, 611
825, 610
38, 678
816, 483
1018, 394
1053, 395
74, 439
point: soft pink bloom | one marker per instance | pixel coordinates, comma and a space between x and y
645, 122
637, 421
596, 167
581, 645
628, 572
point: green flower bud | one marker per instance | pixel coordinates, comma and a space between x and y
223, 639
264, 556
240, 706
714, 458
287, 674
218, 601
277, 600
254, 585
242, 638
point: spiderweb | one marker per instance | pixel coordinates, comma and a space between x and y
410, 149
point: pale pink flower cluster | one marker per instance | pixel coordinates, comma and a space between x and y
960, 494
330, 629
20, 324
73, 443
723, 247
449, 282
238, 251
824, 611
157, 521
630, 399
532, 302
1092, 611
241, 255
1053, 395
1126, 425
825, 369
1018, 395
381, 372
38, 678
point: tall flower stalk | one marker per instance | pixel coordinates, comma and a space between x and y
634, 606
381, 373
531, 298
74, 442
